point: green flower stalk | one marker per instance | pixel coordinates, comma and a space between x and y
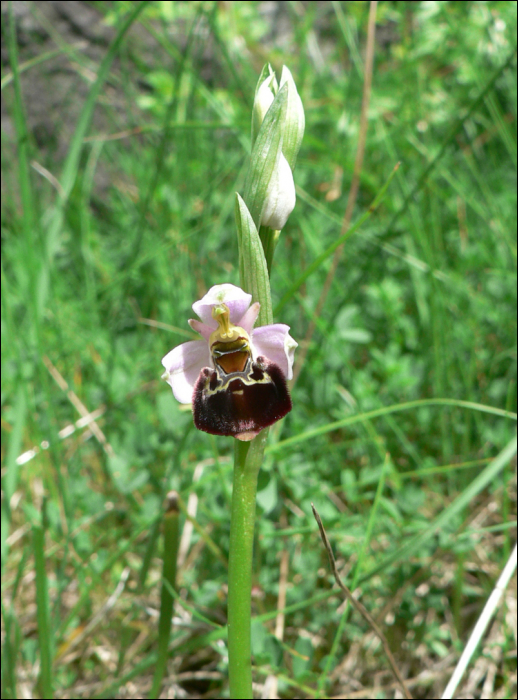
235, 376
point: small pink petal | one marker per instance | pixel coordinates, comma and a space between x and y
183, 365
275, 343
235, 298
202, 328
248, 320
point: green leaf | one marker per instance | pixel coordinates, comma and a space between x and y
259, 637
301, 662
355, 335
268, 497
253, 271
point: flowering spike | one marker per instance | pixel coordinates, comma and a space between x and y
277, 131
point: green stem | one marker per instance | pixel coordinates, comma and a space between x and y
248, 457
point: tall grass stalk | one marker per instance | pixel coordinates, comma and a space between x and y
45, 631
170, 554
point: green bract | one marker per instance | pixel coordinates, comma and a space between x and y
252, 264
293, 128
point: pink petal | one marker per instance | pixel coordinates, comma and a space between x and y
183, 365
234, 297
202, 328
248, 320
276, 344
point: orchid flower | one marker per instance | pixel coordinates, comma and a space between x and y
236, 376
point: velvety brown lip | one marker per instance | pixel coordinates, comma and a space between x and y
245, 403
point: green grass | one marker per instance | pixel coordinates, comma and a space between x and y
403, 429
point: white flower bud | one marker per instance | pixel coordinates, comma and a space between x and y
263, 100
280, 197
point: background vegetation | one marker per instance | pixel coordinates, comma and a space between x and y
121, 154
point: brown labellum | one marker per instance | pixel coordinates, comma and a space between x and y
239, 397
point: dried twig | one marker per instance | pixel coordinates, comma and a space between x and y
78, 405
359, 607
100, 615
65, 432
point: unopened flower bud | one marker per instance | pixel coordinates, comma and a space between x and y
280, 197
264, 97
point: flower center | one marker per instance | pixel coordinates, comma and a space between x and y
229, 344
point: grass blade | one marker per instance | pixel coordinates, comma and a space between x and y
351, 420
331, 249
477, 485
171, 542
